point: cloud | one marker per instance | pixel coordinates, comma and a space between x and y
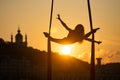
109, 55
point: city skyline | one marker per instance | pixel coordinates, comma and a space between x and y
33, 18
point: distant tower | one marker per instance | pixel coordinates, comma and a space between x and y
18, 37
26, 39
11, 38
99, 61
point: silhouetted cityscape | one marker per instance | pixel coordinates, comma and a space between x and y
20, 62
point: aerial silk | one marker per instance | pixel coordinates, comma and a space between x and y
49, 61
92, 63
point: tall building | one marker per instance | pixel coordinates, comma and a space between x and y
19, 38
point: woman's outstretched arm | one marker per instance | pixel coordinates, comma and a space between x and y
64, 25
93, 31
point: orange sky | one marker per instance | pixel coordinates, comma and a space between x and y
33, 18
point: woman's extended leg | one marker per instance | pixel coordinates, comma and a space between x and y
88, 39
63, 41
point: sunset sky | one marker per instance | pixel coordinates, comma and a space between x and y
33, 18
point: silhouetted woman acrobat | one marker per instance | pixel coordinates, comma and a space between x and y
76, 35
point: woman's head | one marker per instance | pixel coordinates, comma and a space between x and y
79, 28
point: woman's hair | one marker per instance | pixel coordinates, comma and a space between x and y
80, 30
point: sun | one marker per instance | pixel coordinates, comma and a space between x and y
66, 50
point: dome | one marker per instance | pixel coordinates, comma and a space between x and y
19, 37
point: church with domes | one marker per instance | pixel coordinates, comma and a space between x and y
19, 38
